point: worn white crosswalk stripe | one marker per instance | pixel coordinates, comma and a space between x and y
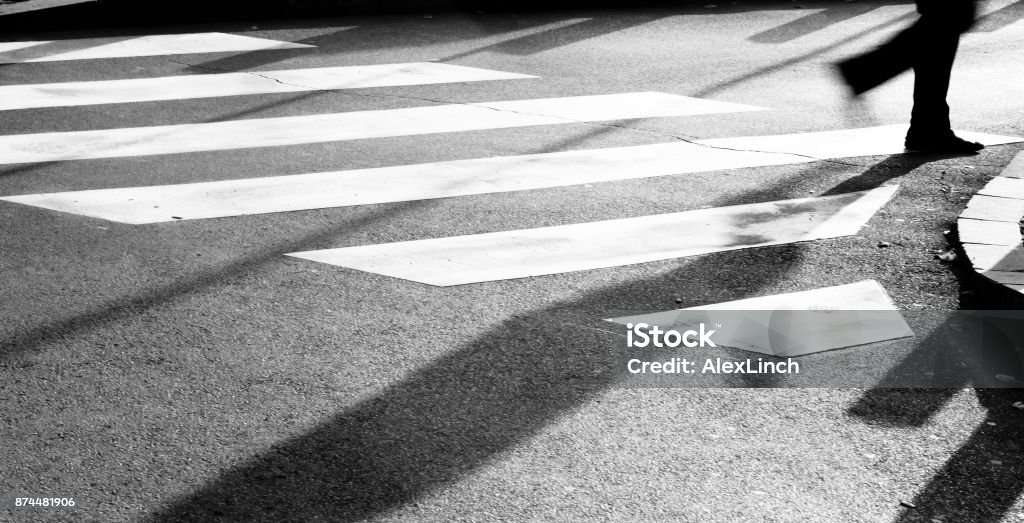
237, 84
133, 46
796, 323
565, 248
395, 183
423, 181
293, 130
867, 141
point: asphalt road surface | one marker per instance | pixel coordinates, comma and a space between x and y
372, 277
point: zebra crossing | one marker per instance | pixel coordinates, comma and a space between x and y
446, 261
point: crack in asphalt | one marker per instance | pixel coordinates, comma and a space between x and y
689, 140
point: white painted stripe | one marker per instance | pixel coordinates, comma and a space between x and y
149, 45
794, 324
866, 295
299, 192
292, 130
237, 84
868, 141
551, 250
395, 183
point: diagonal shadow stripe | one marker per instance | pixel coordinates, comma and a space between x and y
811, 23
785, 64
1000, 18
468, 407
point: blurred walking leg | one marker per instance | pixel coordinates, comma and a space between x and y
928, 47
939, 30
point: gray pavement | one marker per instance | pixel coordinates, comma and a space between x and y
189, 371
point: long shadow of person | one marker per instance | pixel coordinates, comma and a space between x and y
983, 479
470, 406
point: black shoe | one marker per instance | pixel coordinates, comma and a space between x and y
943, 143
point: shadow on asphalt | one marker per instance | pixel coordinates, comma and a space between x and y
378, 37
467, 408
454, 415
999, 18
890, 168
479, 401
820, 20
111, 311
130, 14
562, 36
973, 485
813, 22
785, 64
374, 35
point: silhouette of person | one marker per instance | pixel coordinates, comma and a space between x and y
928, 47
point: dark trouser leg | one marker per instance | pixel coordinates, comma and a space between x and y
938, 36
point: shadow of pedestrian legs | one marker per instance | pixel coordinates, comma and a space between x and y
461, 411
467, 408
811, 23
983, 479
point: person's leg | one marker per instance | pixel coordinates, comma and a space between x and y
938, 36
933, 65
